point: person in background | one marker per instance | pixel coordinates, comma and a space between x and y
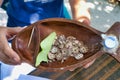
25, 12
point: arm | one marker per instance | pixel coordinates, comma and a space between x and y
1, 1
80, 11
7, 54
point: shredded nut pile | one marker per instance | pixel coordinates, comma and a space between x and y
64, 47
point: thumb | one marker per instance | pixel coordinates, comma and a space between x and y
84, 20
13, 56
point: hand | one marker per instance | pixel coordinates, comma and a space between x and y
7, 54
84, 16
80, 11
89, 64
84, 66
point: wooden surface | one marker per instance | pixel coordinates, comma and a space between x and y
104, 68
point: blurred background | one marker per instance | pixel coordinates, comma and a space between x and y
103, 16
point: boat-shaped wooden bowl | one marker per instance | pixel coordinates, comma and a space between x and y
27, 42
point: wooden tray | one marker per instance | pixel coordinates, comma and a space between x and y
28, 51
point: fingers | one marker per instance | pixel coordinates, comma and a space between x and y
7, 55
89, 64
84, 16
84, 20
12, 55
4, 58
72, 69
6, 52
13, 31
84, 66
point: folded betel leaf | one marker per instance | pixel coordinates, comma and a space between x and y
45, 45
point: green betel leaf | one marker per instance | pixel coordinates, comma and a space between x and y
46, 45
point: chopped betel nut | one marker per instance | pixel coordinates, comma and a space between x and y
58, 48
64, 47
